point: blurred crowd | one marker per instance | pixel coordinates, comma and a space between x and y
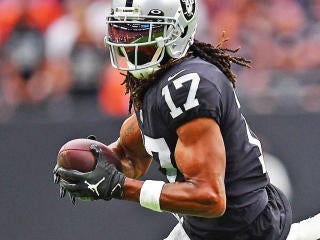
51, 50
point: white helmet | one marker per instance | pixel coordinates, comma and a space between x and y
159, 26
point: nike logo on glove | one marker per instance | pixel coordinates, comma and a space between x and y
94, 187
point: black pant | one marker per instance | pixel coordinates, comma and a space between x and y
274, 222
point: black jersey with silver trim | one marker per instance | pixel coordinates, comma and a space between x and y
193, 89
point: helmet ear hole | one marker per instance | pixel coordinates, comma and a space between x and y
185, 31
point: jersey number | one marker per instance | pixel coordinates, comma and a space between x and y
158, 148
191, 101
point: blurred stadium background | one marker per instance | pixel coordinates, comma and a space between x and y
56, 84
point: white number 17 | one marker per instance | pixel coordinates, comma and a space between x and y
191, 101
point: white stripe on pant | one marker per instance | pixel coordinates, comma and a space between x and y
178, 232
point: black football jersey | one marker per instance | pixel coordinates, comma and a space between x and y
192, 89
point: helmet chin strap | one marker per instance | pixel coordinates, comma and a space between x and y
148, 70
145, 72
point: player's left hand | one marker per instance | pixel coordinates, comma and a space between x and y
104, 182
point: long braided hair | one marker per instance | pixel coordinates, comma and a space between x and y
217, 55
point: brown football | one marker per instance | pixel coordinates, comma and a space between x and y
76, 155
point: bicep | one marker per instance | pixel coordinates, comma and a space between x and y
200, 157
129, 147
200, 154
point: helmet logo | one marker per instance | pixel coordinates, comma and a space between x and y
188, 7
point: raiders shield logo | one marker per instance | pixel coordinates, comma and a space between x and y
188, 7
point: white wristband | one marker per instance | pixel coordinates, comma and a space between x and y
150, 195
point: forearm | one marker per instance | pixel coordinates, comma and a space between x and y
130, 149
134, 164
182, 197
128, 167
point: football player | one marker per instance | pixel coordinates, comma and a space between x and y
188, 119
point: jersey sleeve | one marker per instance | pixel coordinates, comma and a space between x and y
188, 97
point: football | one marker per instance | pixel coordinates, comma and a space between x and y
76, 155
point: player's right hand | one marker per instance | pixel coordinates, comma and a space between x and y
104, 182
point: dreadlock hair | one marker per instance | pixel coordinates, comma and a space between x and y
218, 56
